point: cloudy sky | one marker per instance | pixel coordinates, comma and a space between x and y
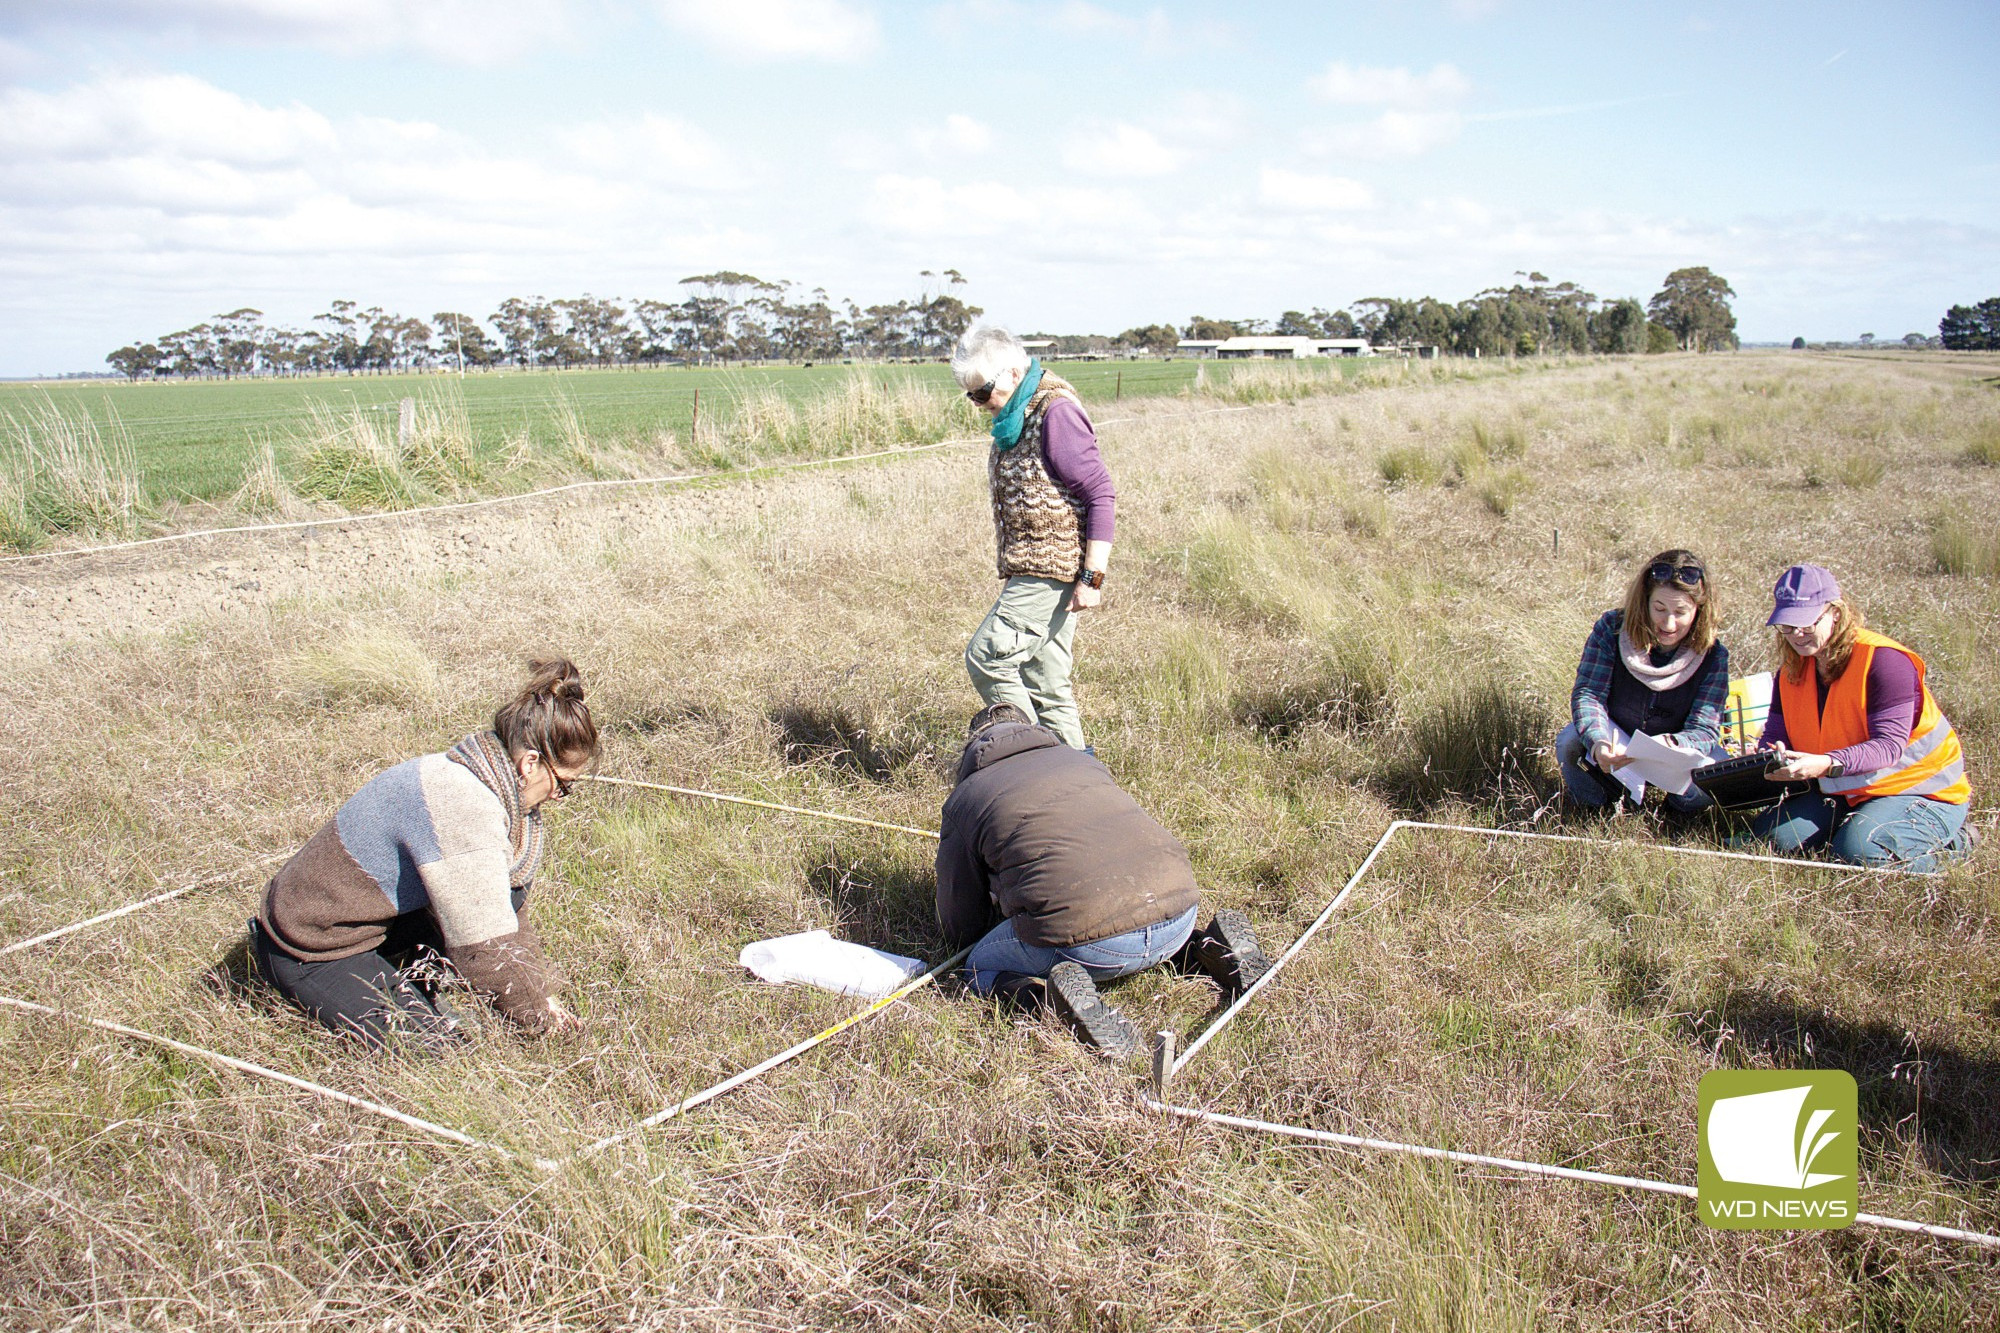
1087, 164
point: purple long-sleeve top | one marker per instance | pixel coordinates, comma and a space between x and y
1894, 696
1070, 445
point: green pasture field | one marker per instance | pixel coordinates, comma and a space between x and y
193, 440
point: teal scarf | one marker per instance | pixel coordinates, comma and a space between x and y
1007, 426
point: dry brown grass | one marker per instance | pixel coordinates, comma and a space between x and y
1269, 676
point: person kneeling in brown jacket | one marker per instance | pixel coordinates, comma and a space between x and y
1064, 881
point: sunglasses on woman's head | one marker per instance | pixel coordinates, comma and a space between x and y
981, 395
1666, 573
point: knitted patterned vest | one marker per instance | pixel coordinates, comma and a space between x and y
1037, 525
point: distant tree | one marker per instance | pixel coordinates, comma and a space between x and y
1296, 324
1336, 323
1659, 338
132, 362
1916, 340
1967, 328
1867, 340
595, 329
1203, 328
1158, 338
238, 335
1619, 328
461, 336
1694, 306
1798, 344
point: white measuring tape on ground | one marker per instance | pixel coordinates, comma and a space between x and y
143, 903
1164, 1076
671, 479
444, 1132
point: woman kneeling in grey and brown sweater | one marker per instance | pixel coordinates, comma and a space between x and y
429, 865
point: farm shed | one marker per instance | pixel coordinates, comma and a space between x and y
1291, 348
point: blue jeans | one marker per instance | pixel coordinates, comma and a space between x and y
1001, 950
1586, 786
1911, 832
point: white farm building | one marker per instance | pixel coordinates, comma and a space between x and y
1291, 348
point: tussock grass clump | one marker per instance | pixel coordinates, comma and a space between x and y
370, 664
1264, 575
1279, 382
1479, 741
1303, 493
1984, 447
1189, 679
1409, 465
266, 491
60, 473
361, 459
863, 412
1962, 547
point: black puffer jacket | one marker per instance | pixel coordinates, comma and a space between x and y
1039, 832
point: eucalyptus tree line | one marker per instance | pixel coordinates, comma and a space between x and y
727, 316
719, 317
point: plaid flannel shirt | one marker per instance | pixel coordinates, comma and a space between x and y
1591, 695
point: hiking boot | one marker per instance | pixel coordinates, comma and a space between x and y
1021, 992
1096, 1024
1228, 951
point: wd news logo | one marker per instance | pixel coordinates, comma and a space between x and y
1777, 1149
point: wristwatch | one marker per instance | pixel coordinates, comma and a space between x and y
1834, 769
1091, 578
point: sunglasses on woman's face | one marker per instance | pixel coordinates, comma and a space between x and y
1666, 573
982, 395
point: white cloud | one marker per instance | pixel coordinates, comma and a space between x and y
1391, 134
959, 137
776, 29
1374, 85
1120, 150
462, 31
1152, 33
926, 207
651, 147
135, 200
1309, 193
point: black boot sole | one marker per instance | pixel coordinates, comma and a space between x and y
1231, 953
1095, 1023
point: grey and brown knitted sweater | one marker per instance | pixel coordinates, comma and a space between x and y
425, 836
1037, 524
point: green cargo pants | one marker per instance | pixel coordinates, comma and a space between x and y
1020, 654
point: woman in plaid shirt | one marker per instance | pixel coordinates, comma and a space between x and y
1652, 665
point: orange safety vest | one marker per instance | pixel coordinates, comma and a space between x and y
1930, 765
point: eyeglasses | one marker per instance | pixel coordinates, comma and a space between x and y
1666, 573
562, 784
982, 395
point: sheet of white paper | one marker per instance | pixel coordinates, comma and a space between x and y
1629, 776
815, 958
1665, 766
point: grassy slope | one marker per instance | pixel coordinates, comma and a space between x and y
1294, 654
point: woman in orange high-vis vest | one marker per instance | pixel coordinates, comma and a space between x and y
1853, 711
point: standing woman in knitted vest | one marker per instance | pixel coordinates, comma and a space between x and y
1054, 508
425, 871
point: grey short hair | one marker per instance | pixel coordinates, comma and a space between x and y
983, 352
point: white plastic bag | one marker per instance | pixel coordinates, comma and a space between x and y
816, 958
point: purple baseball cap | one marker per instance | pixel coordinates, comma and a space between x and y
1803, 592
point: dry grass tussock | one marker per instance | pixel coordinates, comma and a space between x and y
1294, 652
61, 473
